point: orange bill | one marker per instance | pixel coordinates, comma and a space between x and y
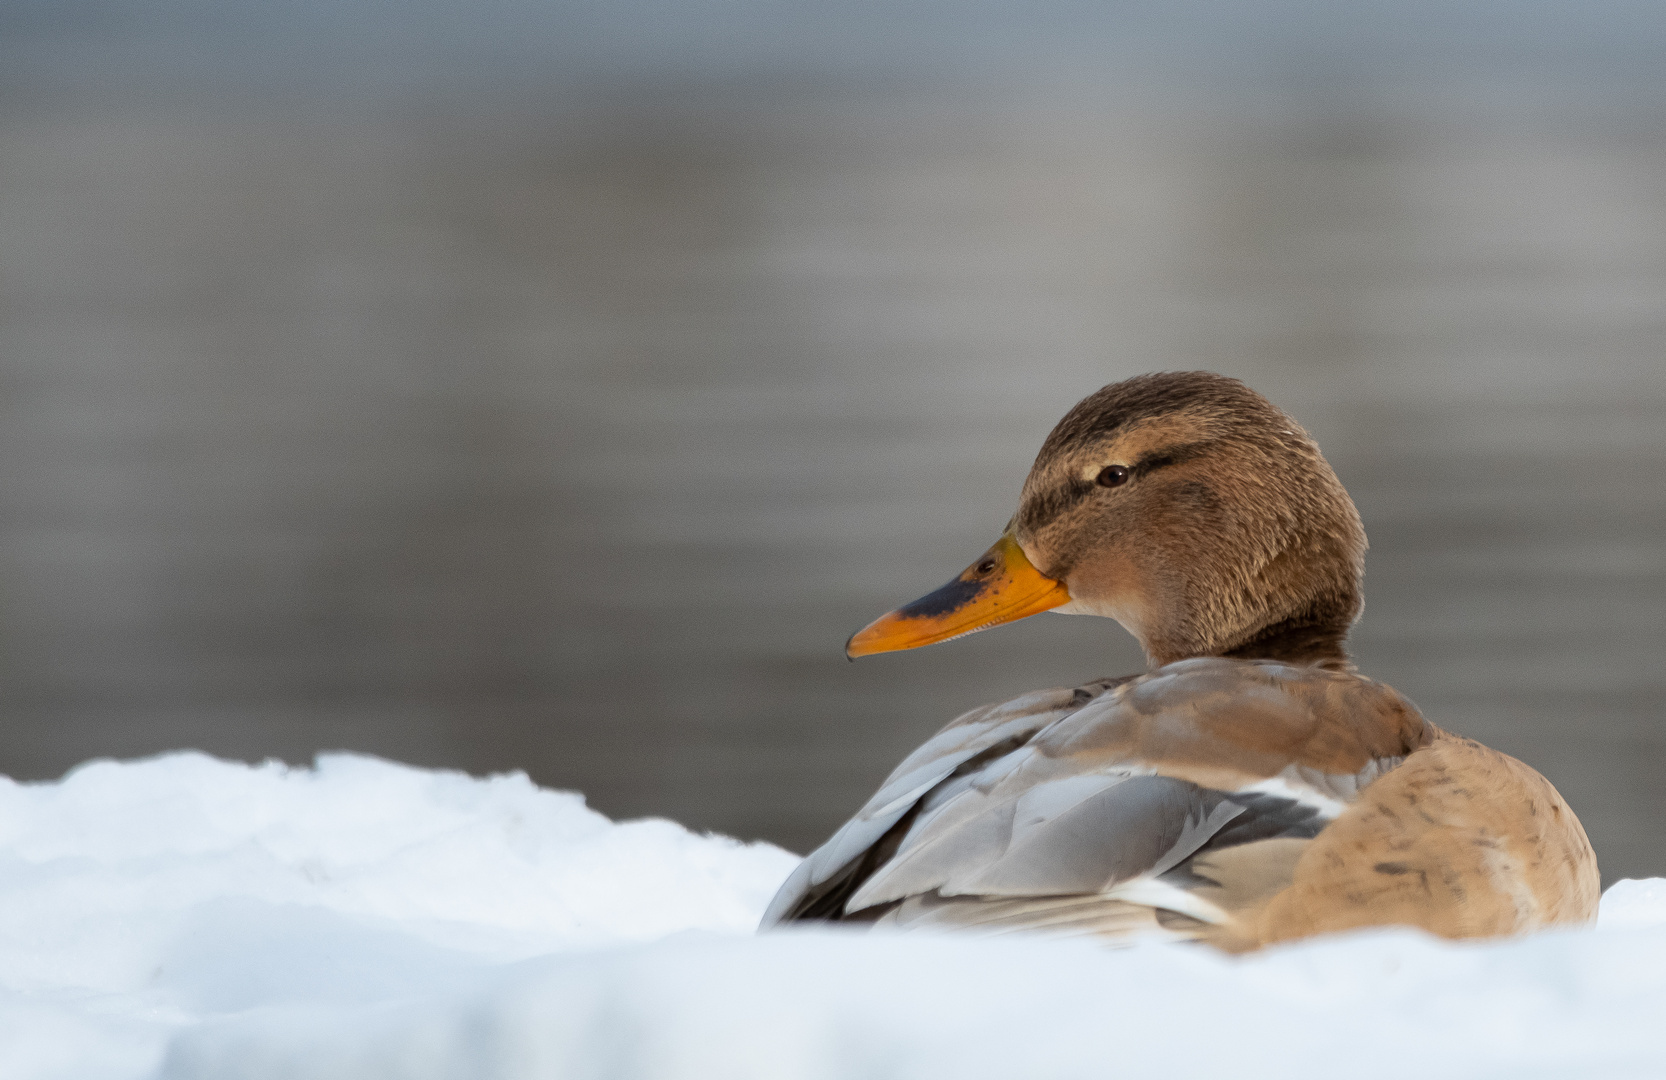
1000, 587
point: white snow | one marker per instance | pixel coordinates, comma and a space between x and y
183, 917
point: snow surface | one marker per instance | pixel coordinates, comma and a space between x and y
184, 917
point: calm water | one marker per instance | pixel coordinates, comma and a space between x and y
577, 438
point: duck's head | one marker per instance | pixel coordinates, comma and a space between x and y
1185, 506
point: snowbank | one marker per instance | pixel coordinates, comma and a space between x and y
138, 899
189, 918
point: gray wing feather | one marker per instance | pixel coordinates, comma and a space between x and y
1138, 825
922, 771
1074, 835
903, 789
788, 895
1097, 915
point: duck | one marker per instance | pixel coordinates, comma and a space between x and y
1250, 787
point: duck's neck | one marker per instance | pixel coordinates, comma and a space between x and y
1320, 642
1316, 637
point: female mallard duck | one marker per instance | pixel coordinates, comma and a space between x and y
1250, 787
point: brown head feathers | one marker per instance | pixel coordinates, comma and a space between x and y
1219, 531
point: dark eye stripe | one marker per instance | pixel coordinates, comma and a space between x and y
1169, 455
1049, 506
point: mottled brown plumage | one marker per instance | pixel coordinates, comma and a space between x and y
1250, 787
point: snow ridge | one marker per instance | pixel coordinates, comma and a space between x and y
183, 917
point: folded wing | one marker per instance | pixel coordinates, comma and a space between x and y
1172, 802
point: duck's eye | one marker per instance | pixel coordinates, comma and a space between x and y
1112, 476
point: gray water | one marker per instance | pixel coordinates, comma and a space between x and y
575, 434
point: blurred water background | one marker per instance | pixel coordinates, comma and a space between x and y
556, 386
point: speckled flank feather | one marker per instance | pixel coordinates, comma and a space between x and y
1251, 788
1461, 841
